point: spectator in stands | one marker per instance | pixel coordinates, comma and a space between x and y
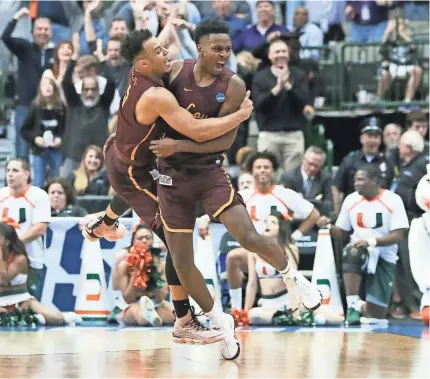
223, 10
401, 60
245, 181
27, 209
280, 94
368, 19
117, 65
313, 183
411, 146
329, 16
391, 136
62, 196
311, 35
14, 274
118, 28
62, 55
257, 34
412, 169
93, 26
371, 251
419, 121
88, 115
370, 140
274, 292
43, 130
33, 59
55, 12
91, 177
137, 304
241, 9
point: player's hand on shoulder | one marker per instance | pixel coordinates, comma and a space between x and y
164, 147
247, 105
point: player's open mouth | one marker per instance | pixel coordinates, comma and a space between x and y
267, 230
220, 65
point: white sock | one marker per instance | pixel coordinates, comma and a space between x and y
236, 298
215, 315
351, 300
289, 272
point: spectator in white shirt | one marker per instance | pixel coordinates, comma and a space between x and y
28, 210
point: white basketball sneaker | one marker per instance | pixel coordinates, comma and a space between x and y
229, 346
307, 293
148, 311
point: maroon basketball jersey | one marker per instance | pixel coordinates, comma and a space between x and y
132, 138
202, 102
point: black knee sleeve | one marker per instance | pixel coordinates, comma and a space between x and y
118, 205
171, 274
354, 259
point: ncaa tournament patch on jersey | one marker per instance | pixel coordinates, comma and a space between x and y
220, 97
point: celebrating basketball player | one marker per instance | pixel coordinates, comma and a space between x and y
207, 88
131, 165
378, 220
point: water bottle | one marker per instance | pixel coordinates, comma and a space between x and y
361, 95
48, 138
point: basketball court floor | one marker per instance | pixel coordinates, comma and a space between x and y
93, 351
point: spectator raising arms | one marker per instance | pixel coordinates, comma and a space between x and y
62, 196
43, 129
14, 271
87, 120
33, 59
62, 55
91, 178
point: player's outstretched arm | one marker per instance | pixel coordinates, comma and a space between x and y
235, 95
166, 106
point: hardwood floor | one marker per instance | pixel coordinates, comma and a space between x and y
140, 352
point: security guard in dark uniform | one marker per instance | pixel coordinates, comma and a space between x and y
371, 133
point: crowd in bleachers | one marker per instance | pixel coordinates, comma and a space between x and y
62, 76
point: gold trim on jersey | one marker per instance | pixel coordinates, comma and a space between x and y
130, 168
230, 200
173, 230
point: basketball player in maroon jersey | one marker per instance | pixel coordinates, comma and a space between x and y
206, 88
131, 165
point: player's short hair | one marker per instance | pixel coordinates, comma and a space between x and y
262, 155
132, 44
372, 171
210, 26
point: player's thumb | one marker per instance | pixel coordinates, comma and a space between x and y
248, 94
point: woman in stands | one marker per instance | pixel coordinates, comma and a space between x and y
91, 177
43, 129
274, 292
17, 306
63, 199
139, 295
62, 56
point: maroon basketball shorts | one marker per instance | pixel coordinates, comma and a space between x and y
179, 191
135, 185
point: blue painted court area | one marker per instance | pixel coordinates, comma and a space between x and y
408, 329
